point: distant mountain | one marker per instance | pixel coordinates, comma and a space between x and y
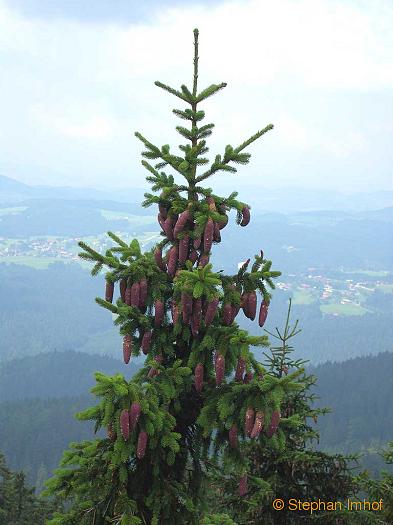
12, 191
260, 198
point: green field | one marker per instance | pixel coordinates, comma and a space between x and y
303, 296
343, 309
369, 273
39, 263
12, 211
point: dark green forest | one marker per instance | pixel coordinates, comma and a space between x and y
38, 423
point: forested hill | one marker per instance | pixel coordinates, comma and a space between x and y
360, 393
56, 374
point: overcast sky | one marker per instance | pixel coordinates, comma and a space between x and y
77, 79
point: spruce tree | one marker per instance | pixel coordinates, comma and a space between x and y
300, 471
201, 393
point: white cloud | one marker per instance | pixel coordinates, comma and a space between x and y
91, 85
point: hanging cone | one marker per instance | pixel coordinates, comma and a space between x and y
158, 258
141, 446
211, 311
158, 313
248, 377
109, 289
193, 257
203, 260
181, 222
186, 304
134, 413
243, 488
142, 293
128, 296
252, 305
263, 311
125, 424
146, 340
198, 377
208, 235
240, 368
220, 369
275, 421
172, 260
258, 425
183, 249
249, 421
246, 216
227, 314
127, 348
135, 291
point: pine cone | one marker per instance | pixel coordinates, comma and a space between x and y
141, 446
246, 216
258, 425
193, 257
134, 413
216, 233
183, 249
208, 235
146, 341
227, 314
109, 289
158, 258
125, 424
123, 286
199, 377
135, 294
252, 305
274, 422
128, 296
240, 368
168, 227
245, 305
158, 313
186, 304
249, 421
243, 488
263, 311
211, 311
142, 293
127, 348
196, 316
233, 436
181, 222
203, 260
248, 377
220, 369
172, 260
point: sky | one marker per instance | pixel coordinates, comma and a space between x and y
77, 80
